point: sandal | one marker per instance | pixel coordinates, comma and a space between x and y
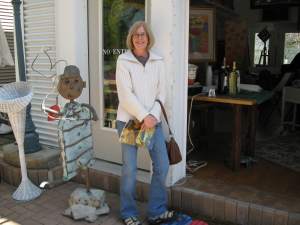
132, 220
167, 216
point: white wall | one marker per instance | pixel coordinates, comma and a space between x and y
72, 38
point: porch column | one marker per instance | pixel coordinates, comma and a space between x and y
169, 20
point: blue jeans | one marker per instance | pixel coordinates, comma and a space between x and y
157, 194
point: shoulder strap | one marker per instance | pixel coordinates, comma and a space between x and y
165, 115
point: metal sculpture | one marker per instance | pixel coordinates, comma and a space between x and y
75, 140
74, 126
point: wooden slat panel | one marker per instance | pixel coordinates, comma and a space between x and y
39, 32
6, 15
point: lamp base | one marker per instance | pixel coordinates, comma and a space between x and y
31, 141
26, 191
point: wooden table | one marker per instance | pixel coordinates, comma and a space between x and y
242, 100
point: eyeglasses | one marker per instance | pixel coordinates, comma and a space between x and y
137, 35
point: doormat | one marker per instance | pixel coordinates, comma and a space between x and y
282, 150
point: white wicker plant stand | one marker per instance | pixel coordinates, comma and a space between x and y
14, 98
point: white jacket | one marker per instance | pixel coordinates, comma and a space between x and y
139, 86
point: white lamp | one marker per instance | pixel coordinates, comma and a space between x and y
14, 98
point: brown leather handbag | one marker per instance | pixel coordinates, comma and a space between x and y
172, 146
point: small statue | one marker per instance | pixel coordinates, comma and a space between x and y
74, 126
75, 139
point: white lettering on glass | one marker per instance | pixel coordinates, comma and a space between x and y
113, 51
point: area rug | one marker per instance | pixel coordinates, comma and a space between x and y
282, 150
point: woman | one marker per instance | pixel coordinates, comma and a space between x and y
140, 79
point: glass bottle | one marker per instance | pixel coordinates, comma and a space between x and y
238, 81
209, 75
225, 85
233, 80
221, 78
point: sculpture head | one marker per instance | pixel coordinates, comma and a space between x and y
70, 83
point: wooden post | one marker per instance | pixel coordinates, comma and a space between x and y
251, 130
236, 138
87, 179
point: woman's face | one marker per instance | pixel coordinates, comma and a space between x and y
140, 39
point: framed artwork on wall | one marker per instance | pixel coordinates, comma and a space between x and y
202, 35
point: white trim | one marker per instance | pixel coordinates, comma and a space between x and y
101, 82
72, 38
148, 11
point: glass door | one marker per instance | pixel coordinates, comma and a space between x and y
109, 22
118, 16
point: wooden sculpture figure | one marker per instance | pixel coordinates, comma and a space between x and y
75, 139
75, 133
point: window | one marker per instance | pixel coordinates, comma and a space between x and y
291, 46
118, 16
6, 15
258, 50
7, 73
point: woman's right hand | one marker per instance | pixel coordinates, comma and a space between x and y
149, 122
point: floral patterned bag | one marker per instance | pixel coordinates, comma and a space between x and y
130, 132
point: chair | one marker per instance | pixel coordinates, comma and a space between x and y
276, 95
286, 77
290, 95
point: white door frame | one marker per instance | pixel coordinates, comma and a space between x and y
106, 143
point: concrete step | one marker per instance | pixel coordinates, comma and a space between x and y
214, 206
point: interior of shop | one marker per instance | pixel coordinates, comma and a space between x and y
244, 95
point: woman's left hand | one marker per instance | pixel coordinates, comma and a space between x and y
149, 122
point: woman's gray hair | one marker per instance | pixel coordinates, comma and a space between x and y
132, 31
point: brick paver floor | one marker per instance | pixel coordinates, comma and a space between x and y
48, 208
